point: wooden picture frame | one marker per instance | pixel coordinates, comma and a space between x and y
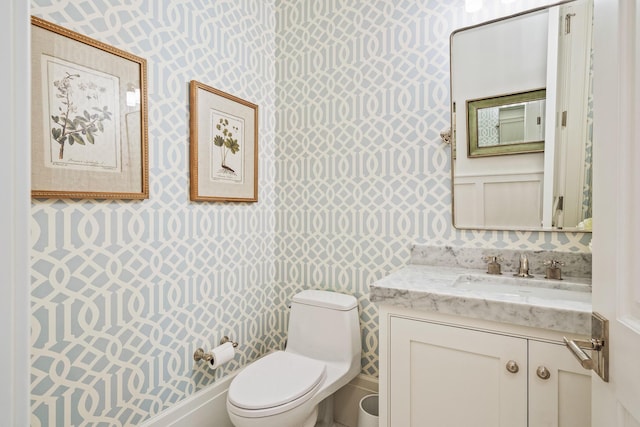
89, 117
515, 102
223, 146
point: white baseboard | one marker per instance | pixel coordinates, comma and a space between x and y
205, 408
208, 407
346, 399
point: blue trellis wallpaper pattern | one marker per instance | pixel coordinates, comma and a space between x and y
122, 291
352, 98
487, 127
362, 174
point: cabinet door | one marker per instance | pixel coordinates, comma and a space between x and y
564, 398
454, 377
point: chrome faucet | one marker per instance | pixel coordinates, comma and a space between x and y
523, 268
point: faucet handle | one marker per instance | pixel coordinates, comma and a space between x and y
553, 263
493, 264
553, 269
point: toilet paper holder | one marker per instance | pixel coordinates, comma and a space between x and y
200, 354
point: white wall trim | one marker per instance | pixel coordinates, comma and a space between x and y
15, 214
347, 399
209, 406
205, 408
365, 382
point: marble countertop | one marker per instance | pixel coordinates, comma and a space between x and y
556, 305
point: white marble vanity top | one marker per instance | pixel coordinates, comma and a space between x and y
540, 303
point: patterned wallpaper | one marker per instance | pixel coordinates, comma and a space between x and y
124, 291
488, 119
587, 190
362, 174
352, 98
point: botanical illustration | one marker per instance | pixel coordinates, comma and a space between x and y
227, 139
72, 129
82, 119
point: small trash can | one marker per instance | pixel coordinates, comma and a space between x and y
368, 411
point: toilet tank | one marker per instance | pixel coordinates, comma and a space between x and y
325, 325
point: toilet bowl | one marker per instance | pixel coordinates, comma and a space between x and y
284, 388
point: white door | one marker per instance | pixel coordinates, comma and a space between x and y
616, 236
14, 214
573, 79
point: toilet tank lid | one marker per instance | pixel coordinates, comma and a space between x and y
332, 300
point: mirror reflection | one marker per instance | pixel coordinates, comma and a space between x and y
509, 124
521, 155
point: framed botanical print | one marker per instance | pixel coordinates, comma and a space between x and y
89, 117
223, 146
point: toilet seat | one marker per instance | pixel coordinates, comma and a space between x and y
274, 384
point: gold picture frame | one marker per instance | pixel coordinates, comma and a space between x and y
89, 117
496, 104
223, 146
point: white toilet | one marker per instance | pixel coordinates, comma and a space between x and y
284, 388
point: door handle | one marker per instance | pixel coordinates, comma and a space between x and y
576, 347
598, 344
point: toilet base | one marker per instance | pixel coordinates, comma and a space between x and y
311, 420
292, 418
325, 413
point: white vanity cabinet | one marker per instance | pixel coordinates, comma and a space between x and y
443, 375
563, 399
439, 370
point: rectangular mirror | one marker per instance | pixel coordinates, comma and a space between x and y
509, 124
521, 120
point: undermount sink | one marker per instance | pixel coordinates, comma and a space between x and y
525, 287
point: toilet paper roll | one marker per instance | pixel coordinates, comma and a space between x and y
221, 354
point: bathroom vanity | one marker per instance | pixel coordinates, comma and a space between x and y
460, 347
